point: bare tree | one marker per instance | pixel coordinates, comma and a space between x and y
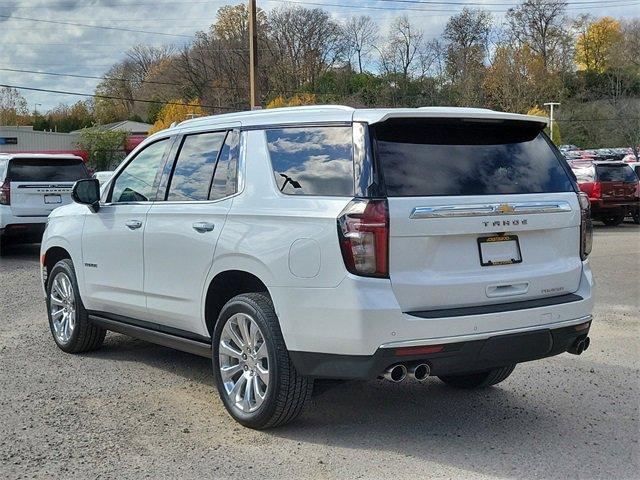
467, 36
399, 56
304, 44
539, 24
360, 35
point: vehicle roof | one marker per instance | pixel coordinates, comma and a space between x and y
46, 156
340, 113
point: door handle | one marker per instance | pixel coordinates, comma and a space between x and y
133, 224
202, 227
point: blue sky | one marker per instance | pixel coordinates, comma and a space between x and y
74, 49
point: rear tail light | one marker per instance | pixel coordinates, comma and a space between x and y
5, 193
596, 190
363, 229
586, 227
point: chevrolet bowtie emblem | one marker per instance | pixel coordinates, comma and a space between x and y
505, 208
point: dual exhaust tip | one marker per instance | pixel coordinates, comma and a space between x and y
398, 373
580, 346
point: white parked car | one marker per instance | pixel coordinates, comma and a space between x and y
327, 242
103, 176
31, 186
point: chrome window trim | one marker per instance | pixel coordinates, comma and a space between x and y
490, 209
240, 181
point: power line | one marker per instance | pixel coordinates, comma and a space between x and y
499, 4
104, 27
445, 12
113, 97
208, 2
118, 79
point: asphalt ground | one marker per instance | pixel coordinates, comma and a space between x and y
136, 410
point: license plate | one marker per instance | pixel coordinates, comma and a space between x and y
499, 250
49, 199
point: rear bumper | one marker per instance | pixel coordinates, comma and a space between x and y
362, 315
600, 206
477, 353
27, 232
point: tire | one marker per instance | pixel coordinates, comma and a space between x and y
613, 220
636, 217
81, 335
3, 246
282, 398
478, 380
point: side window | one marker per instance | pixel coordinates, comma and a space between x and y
225, 177
312, 160
195, 165
136, 182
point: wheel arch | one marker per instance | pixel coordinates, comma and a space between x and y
223, 287
50, 257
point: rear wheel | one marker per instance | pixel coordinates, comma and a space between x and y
70, 326
636, 216
613, 220
255, 378
478, 380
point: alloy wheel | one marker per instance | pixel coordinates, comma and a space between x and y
62, 307
244, 362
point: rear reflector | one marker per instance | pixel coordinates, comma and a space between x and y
408, 351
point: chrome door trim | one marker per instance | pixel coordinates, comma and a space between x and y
490, 209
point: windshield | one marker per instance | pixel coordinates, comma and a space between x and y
433, 157
46, 170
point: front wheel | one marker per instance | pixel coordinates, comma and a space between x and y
70, 326
478, 380
256, 381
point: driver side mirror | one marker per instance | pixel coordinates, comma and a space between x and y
87, 192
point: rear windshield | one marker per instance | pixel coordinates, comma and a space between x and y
44, 170
427, 157
615, 173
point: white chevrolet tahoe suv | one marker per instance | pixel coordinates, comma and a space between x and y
325, 242
31, 186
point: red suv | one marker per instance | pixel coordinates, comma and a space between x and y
612, 188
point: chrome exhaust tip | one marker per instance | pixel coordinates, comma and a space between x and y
420, 372
395, 373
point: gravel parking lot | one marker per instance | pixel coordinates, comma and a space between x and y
136, 410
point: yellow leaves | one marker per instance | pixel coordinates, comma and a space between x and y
297, 100
598, 45
537, 112
176, 113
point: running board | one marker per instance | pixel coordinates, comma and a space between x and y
160, 338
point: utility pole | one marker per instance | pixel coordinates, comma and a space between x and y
253, 57
551, 105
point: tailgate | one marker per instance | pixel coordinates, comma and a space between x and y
480, 213
38, 199
618, 191
443, 253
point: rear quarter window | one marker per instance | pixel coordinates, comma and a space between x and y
439, 158
45, 170
312, 160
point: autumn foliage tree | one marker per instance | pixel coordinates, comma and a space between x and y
598, 43
176, 111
